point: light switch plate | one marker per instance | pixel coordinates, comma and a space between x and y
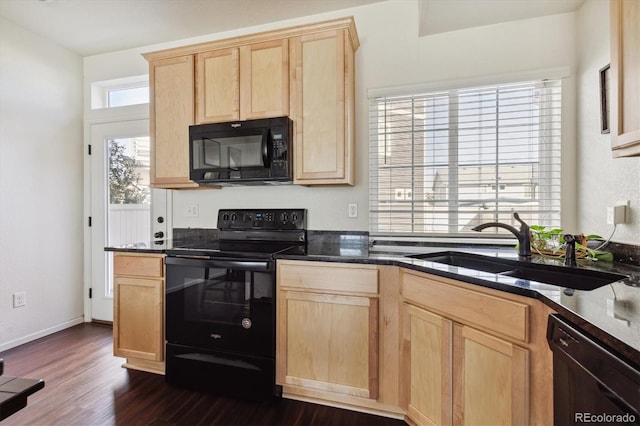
192, 211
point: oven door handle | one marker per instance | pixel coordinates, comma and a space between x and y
244, 265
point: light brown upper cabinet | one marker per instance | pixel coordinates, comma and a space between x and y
625, 78
243, 83
172, 111
322, 106
304, 72
218, 85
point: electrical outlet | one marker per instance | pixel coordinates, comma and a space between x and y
617, 214
19, 299
353, 209
192, 211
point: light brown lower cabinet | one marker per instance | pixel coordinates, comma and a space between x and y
490, 379
328, 347
410, 345
327, 337
473, 356
428, 360
459, 375
331, 343
138, 310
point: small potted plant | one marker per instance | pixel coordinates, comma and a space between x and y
549, 242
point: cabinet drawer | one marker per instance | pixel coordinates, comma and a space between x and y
331, 277
138, 265
492, 314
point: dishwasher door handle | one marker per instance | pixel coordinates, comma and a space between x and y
615, 399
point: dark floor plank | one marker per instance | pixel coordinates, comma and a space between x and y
86, 385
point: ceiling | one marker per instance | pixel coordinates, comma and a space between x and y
91, 27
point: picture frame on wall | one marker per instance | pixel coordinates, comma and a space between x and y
604, 99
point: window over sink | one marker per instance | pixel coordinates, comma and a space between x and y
443, 161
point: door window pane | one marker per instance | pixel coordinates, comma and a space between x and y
129, 194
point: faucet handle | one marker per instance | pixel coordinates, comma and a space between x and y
570, 250
523, 225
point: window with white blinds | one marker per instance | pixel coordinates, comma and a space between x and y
445, 161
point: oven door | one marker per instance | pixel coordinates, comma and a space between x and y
221, 304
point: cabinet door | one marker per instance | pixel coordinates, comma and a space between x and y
264, 80
218, 86
625, 78
427, 367
322, 108
490, 380
138, 321
172, 111
331, 343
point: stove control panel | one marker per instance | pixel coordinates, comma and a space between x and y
263, 219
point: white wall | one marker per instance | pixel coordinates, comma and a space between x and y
391, 54
41, 173
603, 180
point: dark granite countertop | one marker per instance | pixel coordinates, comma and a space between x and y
610, 313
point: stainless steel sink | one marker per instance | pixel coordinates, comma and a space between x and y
575, 278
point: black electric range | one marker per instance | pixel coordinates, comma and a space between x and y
220, 314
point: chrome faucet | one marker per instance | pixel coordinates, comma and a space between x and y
570, 250
523, 236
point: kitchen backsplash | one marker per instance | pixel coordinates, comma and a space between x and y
625, 253
195, 234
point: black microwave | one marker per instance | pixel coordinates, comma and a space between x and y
241, 152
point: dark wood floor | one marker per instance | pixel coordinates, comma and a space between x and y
86, 385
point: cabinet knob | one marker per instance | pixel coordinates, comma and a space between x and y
158, 234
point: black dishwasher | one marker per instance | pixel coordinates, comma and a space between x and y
590, 383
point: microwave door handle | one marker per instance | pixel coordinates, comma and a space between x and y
266, 158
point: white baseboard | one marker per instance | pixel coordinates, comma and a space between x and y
42, 333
